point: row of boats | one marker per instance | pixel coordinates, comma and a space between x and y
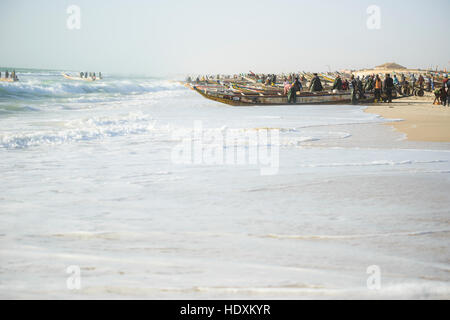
248, 90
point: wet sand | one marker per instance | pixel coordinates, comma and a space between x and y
422, 121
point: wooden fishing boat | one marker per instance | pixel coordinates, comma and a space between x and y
8, 79
252, 89
304, 98
65, 75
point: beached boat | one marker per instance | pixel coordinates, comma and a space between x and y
8, 80
252, 89
255, 99
65, 75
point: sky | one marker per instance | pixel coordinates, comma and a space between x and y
172, 37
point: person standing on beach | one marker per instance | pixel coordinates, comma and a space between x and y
360, 87
378, 87
448, 93
369, 84
388, 86
444, 92
292, 95
413, 84
353, 89
421, 81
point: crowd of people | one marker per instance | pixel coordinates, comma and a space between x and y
442, 94
10, 75
91, 75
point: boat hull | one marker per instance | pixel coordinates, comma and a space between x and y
65, 75
8, 80
305, 98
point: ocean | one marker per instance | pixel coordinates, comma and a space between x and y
107, 192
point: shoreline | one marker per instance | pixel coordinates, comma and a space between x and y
421, 120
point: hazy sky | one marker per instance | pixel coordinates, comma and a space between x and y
166, 37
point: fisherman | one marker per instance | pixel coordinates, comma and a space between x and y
396, 82
378, 87
287, 86
337, 84
444, 91
413, 84
360, 87
354, 89
369, 83
444, 95
448, 92
345, 85
421, 82
388, 86
292, 95
402, 84
316, 85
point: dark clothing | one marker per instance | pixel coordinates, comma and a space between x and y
337, 84
297, 86
354, 91
444, 95
377, 93
292, 94
345, 85
388, 87
369, 84
315, 85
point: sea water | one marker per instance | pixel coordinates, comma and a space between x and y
94, 205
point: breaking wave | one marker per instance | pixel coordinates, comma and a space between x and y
63, 88
81, 130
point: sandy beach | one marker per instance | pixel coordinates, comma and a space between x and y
422, 121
